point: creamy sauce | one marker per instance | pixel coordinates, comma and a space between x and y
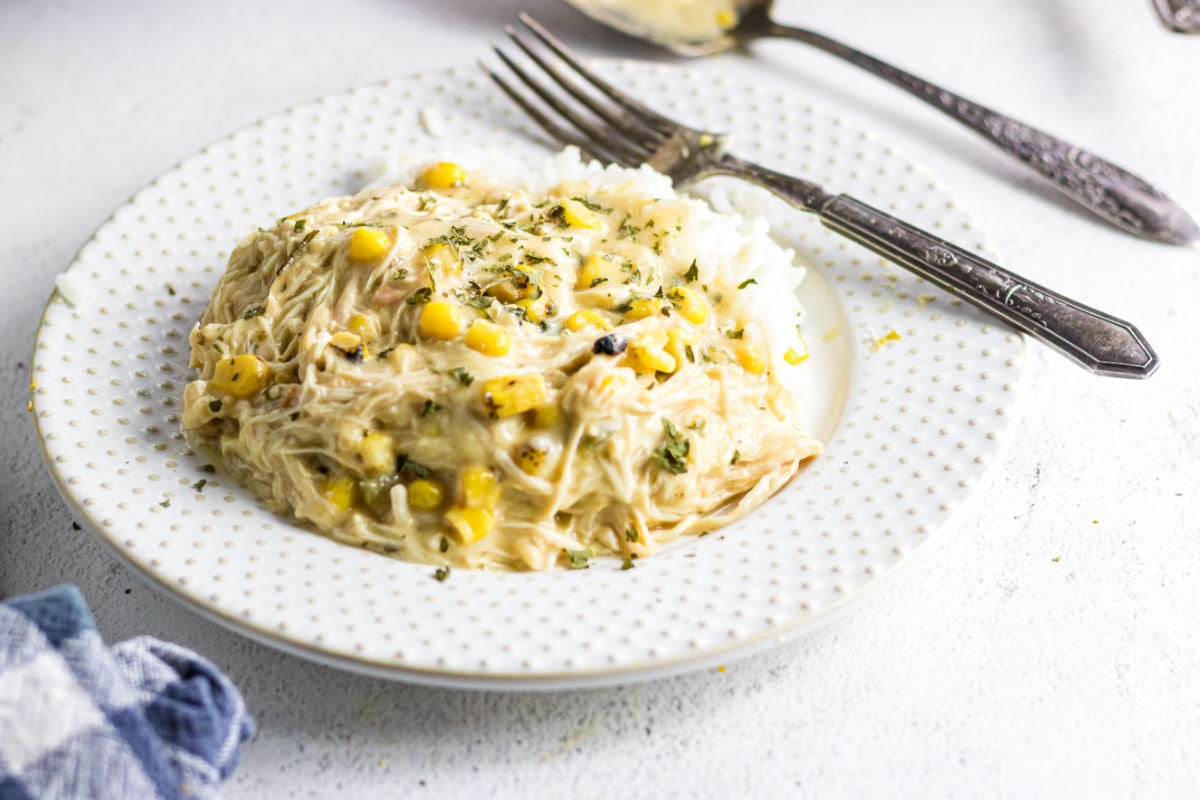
464, 374
668, 20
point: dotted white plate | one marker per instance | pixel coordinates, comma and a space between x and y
912, 426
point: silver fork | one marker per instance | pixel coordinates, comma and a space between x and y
579, 108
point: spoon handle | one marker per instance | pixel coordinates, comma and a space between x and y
1113, 193
1180, 16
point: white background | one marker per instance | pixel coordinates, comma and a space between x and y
1047, 647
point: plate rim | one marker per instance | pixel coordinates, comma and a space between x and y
644, 668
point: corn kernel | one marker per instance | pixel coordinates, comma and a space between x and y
442, 175
647, 353
470, 524
513, 286
479, 488
488, 338
425, 494
513, 394
642, 307
546, 415
368, 244
678, 342
578, 216
340, 491
241, 376
532, 457
881, 342
439, 320
691, 304
597, 268
365, 325
586, 318
350, 344
538, 309
798, 352
375, 452
443, 258
752, 356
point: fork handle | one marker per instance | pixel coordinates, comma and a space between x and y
1101, 186
1100, 343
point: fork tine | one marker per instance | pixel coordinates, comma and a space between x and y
664, 125
593, 134
644, 136
555, 131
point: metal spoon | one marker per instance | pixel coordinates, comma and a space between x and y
1098, 185
1180, 16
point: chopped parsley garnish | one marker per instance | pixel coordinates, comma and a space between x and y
737, 456
591, 206
405, 464
200, 484
166, 503
463, 377
457, 235
441, 573
75, 526
299, 226
421, 295
627, 231
479, 301
214, 406
444, 545
631, 534
672, 454
257, 311
578, 559
746, 283
429, 408
738, 334
170, 290
399, 274
209, 468
627, 563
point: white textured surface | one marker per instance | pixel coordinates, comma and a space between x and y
1046, 647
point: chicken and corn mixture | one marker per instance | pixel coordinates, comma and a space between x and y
463, 374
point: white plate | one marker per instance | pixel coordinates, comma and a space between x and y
912, 426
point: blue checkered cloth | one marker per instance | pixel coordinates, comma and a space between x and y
143, 719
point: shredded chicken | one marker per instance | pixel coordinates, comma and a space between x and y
463, 374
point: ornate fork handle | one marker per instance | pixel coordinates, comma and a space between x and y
1100, 343
1108, 190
